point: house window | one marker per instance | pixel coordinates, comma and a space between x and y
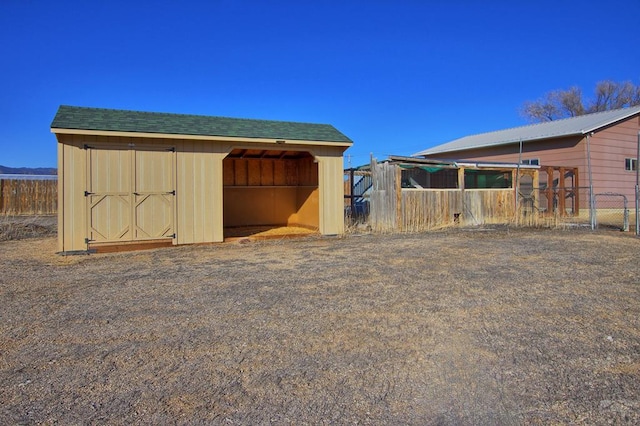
630, 164
532, 161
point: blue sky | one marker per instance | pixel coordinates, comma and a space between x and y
395, 76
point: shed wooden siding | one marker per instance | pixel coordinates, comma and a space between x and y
72, 215
199, 184
199, 192
331, 187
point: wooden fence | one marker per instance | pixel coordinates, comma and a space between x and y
28, 197
394, 208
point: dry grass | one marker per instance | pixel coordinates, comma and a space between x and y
21, 227
457, 327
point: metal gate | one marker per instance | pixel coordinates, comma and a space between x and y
611, 211
130, 194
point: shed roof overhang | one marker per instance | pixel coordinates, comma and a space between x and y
233, 139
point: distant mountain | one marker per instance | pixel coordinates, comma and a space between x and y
28, 170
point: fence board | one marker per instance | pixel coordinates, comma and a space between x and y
383, 197
24, 197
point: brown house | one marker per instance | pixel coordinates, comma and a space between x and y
603, 143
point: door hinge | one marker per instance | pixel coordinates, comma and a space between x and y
172, 192
88, 147
172, 149
87, 240
173, 236
87, 193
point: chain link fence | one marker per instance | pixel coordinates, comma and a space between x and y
611, 211
572, 206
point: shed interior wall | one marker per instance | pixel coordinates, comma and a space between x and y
270, 191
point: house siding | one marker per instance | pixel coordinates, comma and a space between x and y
567, 152
609, 148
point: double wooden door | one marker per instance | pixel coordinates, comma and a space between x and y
130, 194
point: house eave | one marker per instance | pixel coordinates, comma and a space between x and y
503, 143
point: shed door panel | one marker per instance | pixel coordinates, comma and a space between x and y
153, 194
130, 194
109, 195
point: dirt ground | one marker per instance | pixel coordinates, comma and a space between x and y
464, 327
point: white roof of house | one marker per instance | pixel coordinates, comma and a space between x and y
580, 125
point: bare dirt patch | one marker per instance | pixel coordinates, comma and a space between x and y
457, 327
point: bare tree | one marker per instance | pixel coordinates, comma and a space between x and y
613, 95
559, 104
555, 105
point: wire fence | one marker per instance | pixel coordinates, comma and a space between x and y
611, 211
573, 206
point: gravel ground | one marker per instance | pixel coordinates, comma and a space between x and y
464, 327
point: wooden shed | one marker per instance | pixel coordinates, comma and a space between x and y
130, 177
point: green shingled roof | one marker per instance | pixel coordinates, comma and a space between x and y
81, 118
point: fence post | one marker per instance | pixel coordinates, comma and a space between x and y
352, 185
625, 224
398, 173
561, 193
576, 192
549, 190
